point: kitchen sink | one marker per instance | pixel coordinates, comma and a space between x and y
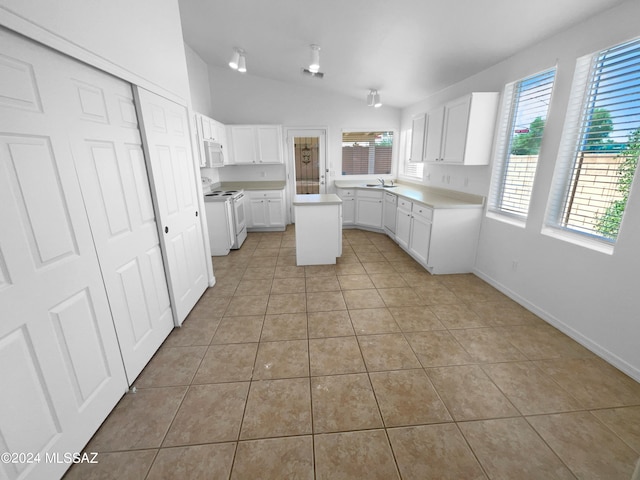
378, 185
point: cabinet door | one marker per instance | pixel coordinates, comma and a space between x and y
417, 138
454, 135
206, 127
369, 212
258, 213
244, 144
420, 238
269, 144
276, 212
403, 227
348, 210
433, 135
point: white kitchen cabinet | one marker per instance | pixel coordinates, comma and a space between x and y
266, 209
417, 138
210, 130
461, 132
255, 144
420, 232
389, 213
348, 197
403, 223
369, 208
413, 229
433, 134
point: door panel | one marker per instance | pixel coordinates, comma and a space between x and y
115, 186
165, 131
59, 358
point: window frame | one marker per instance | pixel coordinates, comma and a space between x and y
394, 149
581, 105
403, 164
511, 98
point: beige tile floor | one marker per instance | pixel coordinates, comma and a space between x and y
369, 369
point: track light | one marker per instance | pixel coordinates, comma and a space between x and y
314, 66
242, 64
373, 99
238, 60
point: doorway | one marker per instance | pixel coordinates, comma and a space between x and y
307, 161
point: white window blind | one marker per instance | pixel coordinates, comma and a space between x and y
410, 169
367, 153
522, 122
601, 143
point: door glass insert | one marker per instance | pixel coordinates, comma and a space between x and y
307, 165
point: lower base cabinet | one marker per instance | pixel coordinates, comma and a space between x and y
265, 210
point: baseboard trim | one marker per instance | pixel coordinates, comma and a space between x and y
586, 342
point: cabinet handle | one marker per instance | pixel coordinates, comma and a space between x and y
166, 229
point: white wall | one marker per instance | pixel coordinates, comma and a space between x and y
591, 296
199, 84
139, 41
247, 99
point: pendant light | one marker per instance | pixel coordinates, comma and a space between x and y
314, 66
242, 64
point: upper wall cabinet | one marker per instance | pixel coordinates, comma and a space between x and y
210, 130
461, 131
255, 144
417, 138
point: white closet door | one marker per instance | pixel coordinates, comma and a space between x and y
115, 186
165, 132
60, 367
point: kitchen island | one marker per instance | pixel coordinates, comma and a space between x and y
318, 228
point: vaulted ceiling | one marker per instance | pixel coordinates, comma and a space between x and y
407, 49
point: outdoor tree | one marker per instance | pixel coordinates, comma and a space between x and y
609, 224
529, 143
600, 126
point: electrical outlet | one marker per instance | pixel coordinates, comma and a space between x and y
263, 174
466, 181
514, 265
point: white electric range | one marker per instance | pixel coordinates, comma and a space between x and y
226, 220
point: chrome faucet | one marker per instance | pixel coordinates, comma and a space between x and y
381, 180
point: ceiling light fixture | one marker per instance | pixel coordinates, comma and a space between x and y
242, 64
373, 99
314, 66
238, 60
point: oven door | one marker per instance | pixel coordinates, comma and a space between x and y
238, 207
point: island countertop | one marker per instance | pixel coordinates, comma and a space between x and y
317, 199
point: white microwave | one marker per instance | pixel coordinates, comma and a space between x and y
213, 153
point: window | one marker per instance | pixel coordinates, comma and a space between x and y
601, 143
409, 169
523, 120
367, 153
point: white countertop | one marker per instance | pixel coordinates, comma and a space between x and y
432, 197
317, 199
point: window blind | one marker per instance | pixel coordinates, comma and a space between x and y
602, 143
524, 114
367, 153
410, 169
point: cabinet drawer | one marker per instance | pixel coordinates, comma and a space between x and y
346, 193
404, 204
423, 211
266, 194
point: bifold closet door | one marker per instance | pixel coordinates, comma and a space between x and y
111, 168
165, 133
61, 371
